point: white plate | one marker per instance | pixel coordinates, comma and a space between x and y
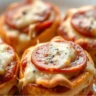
62, 4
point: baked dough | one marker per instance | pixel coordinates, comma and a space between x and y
47, 82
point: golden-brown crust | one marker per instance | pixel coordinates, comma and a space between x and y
46, 35
3, 35
79, 83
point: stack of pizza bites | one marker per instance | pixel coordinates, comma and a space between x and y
49, 66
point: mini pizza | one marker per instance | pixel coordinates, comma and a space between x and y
9, 65
26, 23
79, 25
56, 68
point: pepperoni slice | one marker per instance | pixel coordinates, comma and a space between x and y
91, 93
42, 26
10, 69
28, 1
39, 27
17, 17
41, 52
84, 22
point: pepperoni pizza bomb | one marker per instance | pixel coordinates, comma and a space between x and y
58, 68
26, 23
79, 25
9, 64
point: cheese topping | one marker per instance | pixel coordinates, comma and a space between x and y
86, 21
48, 80
5, 57
60, 54
71, 32
31, 14
90, 15
32, 74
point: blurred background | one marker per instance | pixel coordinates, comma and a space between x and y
62, 4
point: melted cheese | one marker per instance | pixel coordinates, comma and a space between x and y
21, 39
5, 58
32, 32
33, 12
60, 54
48, 80
11, 32
32, 74
70, 30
